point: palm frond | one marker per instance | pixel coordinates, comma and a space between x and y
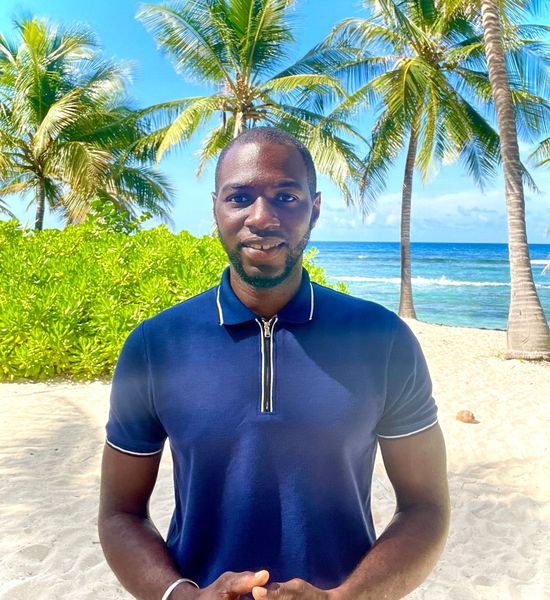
370, 35
388, 139
193, 115
542, 153
214, 141
60, 115
16, 186
140, 186
265, 32
187, 34
78, 164
314, 83
5, 210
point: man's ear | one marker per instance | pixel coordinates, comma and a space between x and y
214, 229
214, 198
316, 209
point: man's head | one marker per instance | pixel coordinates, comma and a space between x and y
274, 136
265, 205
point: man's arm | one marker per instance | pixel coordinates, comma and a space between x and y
406, 552
132, 545
134, 549
409, 547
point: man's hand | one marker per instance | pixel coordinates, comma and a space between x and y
228, 586
295, 589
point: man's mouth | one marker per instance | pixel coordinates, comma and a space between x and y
263, 245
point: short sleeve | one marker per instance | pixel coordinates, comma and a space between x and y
409, 406
134, 426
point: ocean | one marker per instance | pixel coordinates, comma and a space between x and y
453, 284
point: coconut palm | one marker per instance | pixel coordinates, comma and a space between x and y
528, 334
66, 137
239, 47
423, 77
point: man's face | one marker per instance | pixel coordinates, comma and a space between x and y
264, 211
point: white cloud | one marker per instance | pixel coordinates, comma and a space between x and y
450, 209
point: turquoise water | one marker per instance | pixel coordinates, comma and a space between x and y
453, 284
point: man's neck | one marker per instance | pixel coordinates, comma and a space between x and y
266, 302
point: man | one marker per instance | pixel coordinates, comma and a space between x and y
274, 393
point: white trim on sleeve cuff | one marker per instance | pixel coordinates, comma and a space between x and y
392, 437
130, 452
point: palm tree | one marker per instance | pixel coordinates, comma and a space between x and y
422, 74
238, 48
528, 334
65, 135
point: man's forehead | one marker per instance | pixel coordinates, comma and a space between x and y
252, 149
248, 163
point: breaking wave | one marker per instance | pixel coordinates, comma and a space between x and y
442, 281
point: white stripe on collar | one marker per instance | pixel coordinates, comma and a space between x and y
220, 311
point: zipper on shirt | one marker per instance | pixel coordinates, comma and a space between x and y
266, 333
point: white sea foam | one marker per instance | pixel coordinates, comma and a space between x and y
374, 279
426, 281
539, 261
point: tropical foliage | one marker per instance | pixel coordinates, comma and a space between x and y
425, 79
66, 135
542, 153
69, 298
239, 48
528, 331
427, 70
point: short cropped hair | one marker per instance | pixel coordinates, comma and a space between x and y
275, 136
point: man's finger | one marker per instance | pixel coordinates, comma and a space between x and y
259, 593
242, 583
275, 591
293, 589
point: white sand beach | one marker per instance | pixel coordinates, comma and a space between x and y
51, 438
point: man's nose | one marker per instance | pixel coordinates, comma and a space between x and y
262, 215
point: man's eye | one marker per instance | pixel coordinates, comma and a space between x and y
239, 199
286, 198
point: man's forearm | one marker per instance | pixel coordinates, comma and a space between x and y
402, 557
137, 554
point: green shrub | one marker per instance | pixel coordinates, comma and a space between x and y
69, 298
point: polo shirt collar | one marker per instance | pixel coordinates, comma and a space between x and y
232, 311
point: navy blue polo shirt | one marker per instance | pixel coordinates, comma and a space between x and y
272, 426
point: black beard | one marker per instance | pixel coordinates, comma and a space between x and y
267, 282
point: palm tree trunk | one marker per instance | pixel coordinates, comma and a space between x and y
528, 333
40, 206
406, 306
240, 124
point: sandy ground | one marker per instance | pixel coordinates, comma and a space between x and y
51, 438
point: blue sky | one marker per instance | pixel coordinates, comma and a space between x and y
448, 207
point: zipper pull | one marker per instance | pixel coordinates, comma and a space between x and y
267, 327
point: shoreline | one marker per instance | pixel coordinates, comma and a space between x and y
456, 284
51, 434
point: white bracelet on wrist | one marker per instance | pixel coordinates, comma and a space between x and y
174, 585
